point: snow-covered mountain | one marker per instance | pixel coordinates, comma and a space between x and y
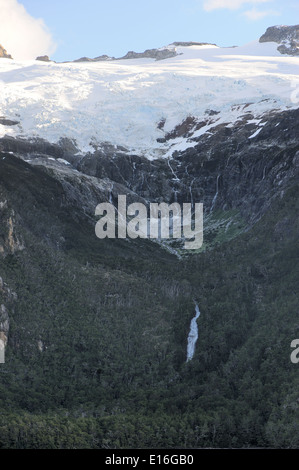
286, 36
147, 106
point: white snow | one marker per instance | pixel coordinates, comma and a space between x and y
61, 160
121, 102
255, 133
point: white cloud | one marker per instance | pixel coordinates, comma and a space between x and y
210, 5
23, 36
255, 15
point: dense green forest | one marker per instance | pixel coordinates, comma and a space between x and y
96, 353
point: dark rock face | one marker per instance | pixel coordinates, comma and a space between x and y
293, 49
10, 241
84, 59
25, 147
286, 36
192, 43
7, 300
8, 122
280, 33
43, 58
184, 129
3, 53
245, 173
227, 169
158, 54
101, 58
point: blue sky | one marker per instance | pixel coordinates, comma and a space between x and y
75, 28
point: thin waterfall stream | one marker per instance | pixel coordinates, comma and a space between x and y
193, 335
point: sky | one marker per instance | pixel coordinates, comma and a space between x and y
70, 29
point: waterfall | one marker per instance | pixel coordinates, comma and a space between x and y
216, 195
172, 171
2, 351
190, 190
193, 335
110, 194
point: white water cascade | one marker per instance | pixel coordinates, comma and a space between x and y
216, 195
193, 335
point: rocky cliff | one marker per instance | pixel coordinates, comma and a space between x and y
3, 53
158, 54
228, 170
286, 36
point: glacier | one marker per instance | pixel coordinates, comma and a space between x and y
122, 102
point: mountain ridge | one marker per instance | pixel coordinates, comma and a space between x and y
113, 102
286, 36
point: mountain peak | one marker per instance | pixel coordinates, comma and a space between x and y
3, 53
286, 36
191, 43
